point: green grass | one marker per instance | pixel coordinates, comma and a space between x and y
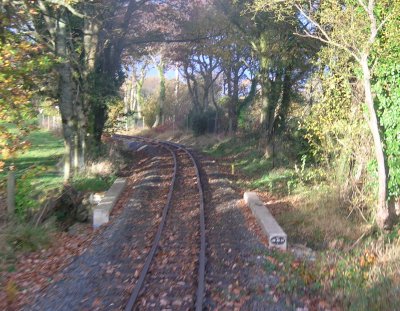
46, 150
233, 146
38, 175
28, 238
277, 181
243, 153
258, 172
93, 184
36, 170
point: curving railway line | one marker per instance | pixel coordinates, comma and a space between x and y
174, 268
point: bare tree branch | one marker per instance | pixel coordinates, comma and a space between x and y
340, 46
316, 24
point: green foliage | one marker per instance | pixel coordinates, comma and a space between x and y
202, 122
295, 277
331, 117
387, 89
24, 237
103, 95
104, 87
24, 66
116, 116
150, 110
93, 184
371, 24
245, 103
336, 130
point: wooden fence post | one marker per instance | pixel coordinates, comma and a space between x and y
11, 193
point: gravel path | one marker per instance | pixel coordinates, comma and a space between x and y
103, 277
236, 278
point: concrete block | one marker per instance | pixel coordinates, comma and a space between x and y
101, 213
276, 236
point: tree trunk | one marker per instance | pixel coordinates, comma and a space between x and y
90, 44
192, 88
383, 216
138, 90
232, 84
100, 118
274, 95
76, 154
216, 109
264, 99
285, 99
139, 97
65, 94
161, 97
233, 104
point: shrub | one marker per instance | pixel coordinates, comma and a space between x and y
150, 110
25, 237
202, 122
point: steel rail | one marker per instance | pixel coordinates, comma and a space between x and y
135, 294
202, 252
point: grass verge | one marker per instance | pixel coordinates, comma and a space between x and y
38, 178
36, 171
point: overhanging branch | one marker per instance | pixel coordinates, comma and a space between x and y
139, 41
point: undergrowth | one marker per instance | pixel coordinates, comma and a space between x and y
22, 238
98, 176
357, 268
39, 179
28, 238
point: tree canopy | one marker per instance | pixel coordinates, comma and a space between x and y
238, 66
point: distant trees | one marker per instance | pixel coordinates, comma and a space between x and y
224, 47
281, 58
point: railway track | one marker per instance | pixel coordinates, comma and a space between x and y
174, 270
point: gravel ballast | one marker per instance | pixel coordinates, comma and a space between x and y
103, 277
